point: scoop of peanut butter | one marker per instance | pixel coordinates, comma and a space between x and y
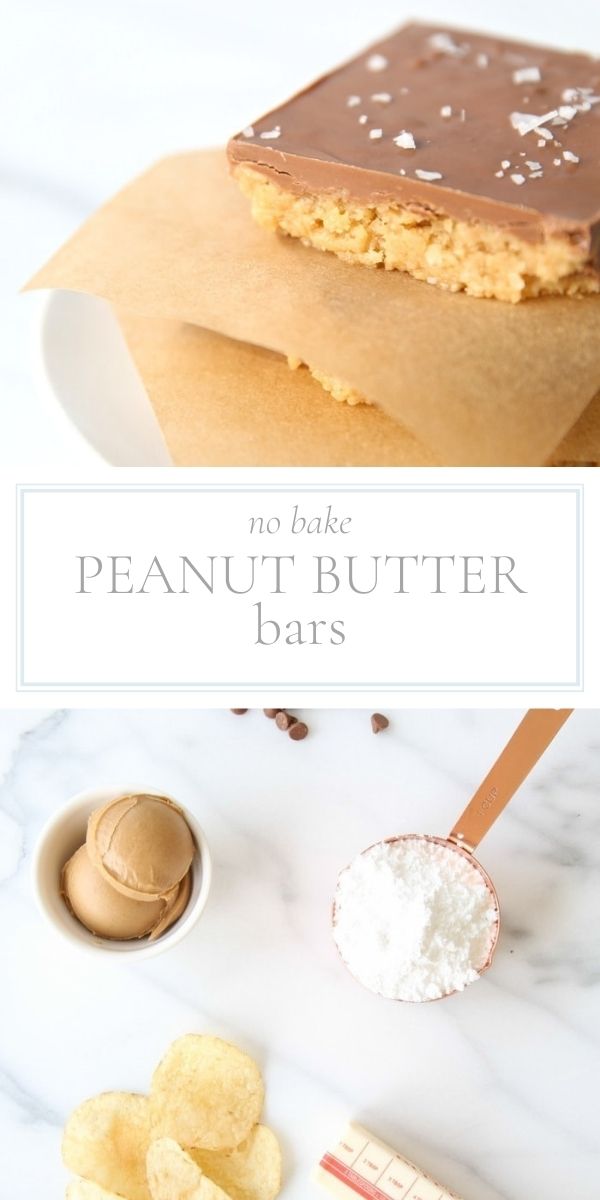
133, 876
142, 845
105, 911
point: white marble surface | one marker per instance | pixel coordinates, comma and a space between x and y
493, 1091
92, 93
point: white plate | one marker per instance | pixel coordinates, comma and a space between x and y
86, 367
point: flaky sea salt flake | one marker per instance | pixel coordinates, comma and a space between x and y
248, 132
518, 179
533, 166
444, 44
582, 99
446, 111
377, 62
572, 95
405, 140
375, 134
428, 176
381, 98
570, 157
527, 122
271, 134
482, 60
353, 101
527, 75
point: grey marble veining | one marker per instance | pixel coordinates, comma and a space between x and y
492, 1091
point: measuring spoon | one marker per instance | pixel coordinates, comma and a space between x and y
527, 744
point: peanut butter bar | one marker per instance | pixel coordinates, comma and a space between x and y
468, 161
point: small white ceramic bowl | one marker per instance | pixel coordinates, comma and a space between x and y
61, 837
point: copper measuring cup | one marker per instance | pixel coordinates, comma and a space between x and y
526, 746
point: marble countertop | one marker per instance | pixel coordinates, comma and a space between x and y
494, 1091
98, 91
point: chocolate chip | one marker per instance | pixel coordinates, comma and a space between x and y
379, 722
284, 719
298, 731
239, 711
271, 712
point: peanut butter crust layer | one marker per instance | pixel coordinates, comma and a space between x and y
581, 435
337, 389
468, 161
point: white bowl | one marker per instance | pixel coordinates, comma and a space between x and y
61, 837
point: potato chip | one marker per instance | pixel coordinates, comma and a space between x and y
83, 1189
206, 1094
106, 1141
252, 1172
173, 1175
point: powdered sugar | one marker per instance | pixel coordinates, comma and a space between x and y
414, 920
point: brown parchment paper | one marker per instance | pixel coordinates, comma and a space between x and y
480, 382
581, 446
226, 403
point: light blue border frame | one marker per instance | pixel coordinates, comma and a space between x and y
577, 684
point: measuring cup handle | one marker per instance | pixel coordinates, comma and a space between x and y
526, 746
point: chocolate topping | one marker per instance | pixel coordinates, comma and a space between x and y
379, 722
451, 122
